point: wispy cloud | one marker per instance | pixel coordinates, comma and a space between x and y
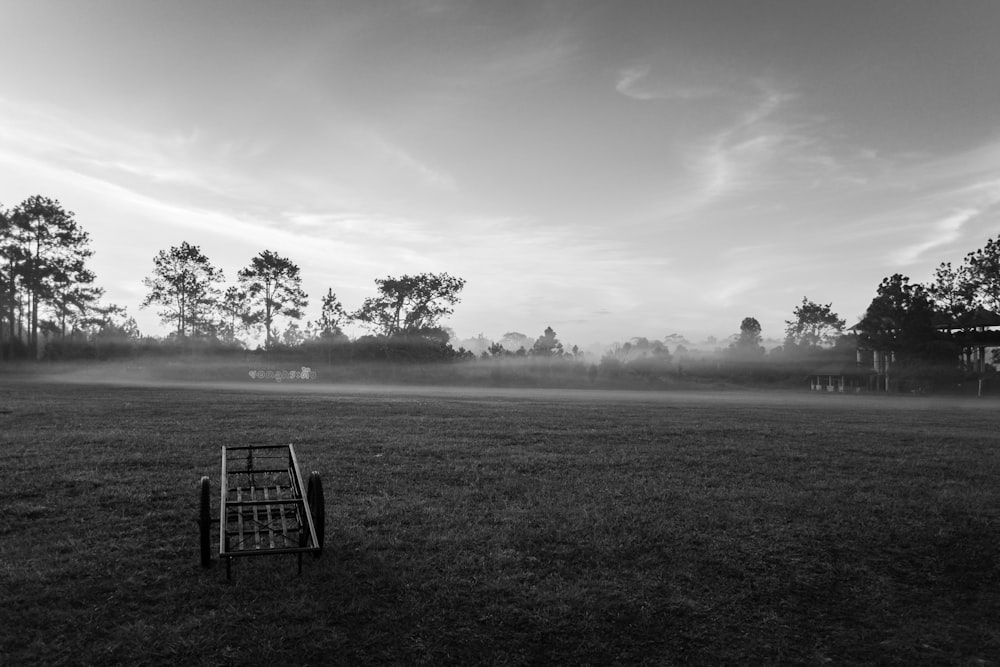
500, 59
84, 145
542, 52
404, 160
634, 82
911, 212
742, 157
945, 217
912, 205
935, 235
359, 232
732, 156
727, 292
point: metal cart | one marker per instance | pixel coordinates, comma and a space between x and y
265, 506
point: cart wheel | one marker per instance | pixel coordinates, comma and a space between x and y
314, 495
205, 523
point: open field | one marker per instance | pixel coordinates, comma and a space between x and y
507, 527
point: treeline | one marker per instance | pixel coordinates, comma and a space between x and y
403, 318
50, 307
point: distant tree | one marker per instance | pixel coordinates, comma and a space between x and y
274, 289
184, 283
45, 252
637, 349
9, 260
982, 273
478, 345
410, 305
676, 339
110, 322
328, 333
975, 283
749, 338
293, 335
13, 262
332, 316
71, 305
953, 290
814, 325
900, 319
512, 341
639, 357
233, 307
547, 345
641, 345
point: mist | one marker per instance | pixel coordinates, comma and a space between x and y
518, 380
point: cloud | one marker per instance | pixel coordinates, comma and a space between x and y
940, 233
407, 162
728, 292
752, 140
536, 53
67, 142
742, 157
634, 82
915, 204
957, 209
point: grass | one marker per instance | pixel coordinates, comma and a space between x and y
507, 527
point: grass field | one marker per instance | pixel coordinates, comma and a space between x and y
507, 527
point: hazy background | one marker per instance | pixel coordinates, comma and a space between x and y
610, 169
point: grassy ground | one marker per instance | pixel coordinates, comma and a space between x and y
507, 528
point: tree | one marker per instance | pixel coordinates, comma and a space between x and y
957, 291
953, 290
332, 316
982, 273
71, 305
111, 322
512, 341
274, 289
748, 341
478, 346
327, 334
45, 251
410, 305
11, 256
814, 325
233, 309
547, 345
900, 319
639, 356
293, 335
184, 283
676, 340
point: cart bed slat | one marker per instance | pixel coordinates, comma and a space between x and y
270, 531
284, 526
256, 524
239, 517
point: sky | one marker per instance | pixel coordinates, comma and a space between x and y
610, 169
